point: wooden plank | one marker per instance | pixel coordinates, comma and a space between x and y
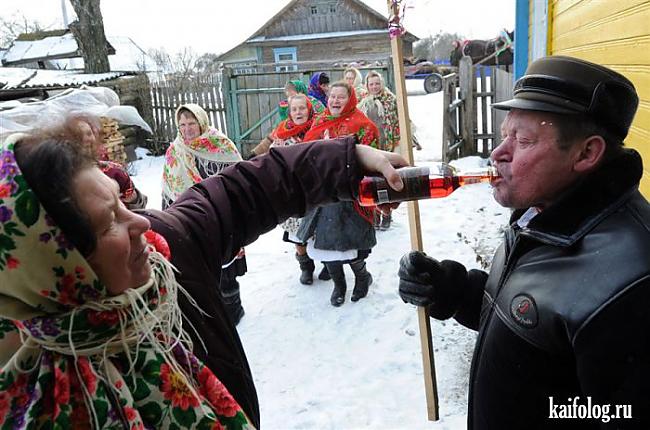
467, 84
484, 110
430, 383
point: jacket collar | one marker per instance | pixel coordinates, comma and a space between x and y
587, 202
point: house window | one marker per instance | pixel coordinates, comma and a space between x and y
285, 55
314, 10
332, 7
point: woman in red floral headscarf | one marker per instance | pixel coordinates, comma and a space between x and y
290, 132
342, 118
342, 233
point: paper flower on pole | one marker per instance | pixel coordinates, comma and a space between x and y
395, 27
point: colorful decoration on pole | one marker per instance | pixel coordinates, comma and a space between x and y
395, 27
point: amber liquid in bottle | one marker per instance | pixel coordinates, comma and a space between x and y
418, 184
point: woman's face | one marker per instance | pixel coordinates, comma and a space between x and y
87, 134
325, 88
374, 85
337, 100
120, 259
349, 77
298, 110
189, 126
290, 91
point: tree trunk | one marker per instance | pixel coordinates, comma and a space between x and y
88, 31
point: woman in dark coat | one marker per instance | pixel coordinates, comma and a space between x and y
130, 376
342, 233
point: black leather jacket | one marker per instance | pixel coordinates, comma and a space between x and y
565, 311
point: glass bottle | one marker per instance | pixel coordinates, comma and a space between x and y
419, 184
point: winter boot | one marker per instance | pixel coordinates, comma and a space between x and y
306, 269
338, 276
324, 275
385, 222
376, 220
362, 280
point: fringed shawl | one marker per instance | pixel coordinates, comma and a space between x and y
74, 357
189, 162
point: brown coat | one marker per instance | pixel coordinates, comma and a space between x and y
211, 221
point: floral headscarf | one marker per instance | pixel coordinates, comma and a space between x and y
382, 107
359, 90
301, 88
289, 129
72, 356
315, 90
351, 121
184, 160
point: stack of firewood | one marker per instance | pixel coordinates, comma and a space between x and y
113, 141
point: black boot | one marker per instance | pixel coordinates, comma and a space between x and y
324, 275
362, 280
338, 276
385, 222
306, 268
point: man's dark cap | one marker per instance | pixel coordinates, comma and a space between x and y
567, 85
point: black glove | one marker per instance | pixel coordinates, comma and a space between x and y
427, 282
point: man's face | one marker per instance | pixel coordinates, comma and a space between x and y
534, 170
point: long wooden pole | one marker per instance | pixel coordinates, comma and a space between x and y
428, 362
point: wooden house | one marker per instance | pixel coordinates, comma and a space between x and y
325, 31
615, 34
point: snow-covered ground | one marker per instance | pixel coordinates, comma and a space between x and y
359, 366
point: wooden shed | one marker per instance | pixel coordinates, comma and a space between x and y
615, 34
317, 30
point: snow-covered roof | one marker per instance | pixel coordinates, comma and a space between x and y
17, 77
62, 50
23, 51
313, 36
128, 57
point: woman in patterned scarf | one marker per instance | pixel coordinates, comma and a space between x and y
319, 85
341, 233
292, 88
380, 105
352, 76
200, 151
91, 333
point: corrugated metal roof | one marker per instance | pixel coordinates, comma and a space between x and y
16, 77
55, 46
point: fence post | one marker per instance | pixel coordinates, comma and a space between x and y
467, 80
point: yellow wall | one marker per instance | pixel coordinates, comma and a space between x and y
616, 34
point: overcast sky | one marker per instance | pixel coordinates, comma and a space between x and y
218, 25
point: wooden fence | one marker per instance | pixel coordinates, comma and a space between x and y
470, 126
167, 95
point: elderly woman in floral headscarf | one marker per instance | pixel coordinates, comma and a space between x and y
95, 323
91, 333
292, 88
342, 233
200, 151
353, 77
380, 105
